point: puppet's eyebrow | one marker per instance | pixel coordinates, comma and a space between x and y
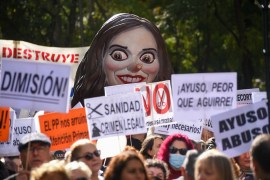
116, 45
149, 49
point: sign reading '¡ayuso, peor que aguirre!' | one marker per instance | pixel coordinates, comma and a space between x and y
198, 96
35, 86
115, 115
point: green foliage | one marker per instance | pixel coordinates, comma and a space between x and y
201, 36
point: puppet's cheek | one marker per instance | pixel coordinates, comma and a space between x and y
151, 70
111, 67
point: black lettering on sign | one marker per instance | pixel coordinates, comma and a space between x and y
241, 119
122, 107
243, 97
222, 87
243, 137
192, 87
35, 84
23, 130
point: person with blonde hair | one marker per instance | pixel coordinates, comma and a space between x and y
78, 170
53, 170
86, 151
213, 165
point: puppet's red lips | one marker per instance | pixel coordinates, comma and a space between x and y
126, 79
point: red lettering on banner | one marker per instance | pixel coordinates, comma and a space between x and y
161, 106
146, 101
19, 53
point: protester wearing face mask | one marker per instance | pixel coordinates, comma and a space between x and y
173, 151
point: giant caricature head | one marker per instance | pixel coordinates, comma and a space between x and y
127, 49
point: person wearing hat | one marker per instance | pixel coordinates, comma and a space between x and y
34, 150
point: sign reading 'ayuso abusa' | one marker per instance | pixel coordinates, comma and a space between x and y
235, 129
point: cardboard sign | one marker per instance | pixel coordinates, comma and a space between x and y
64, 129
244, 96
115, 115
24, 51
35, 86
21, 128
4, 124
235, 129
198, 96
121, 89
193, 131
157, 101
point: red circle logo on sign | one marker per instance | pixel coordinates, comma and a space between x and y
161, 106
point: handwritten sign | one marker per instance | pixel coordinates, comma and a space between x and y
115, 115
235, 129
35, 86
64, 129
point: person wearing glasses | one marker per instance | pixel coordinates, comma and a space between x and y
173, 152
34, 151
84, 150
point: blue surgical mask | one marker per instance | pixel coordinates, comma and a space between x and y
176, 160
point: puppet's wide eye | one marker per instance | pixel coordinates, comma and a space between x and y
119, 55
147, 58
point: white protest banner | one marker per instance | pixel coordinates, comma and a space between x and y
24, 51
21, 127
244, 96
235, 129
258, 96
193, 131
157, 100
121, 89
35, 86
115, 115
198, 96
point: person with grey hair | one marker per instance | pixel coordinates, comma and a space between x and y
260, 157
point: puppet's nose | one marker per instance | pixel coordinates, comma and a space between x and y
135, 67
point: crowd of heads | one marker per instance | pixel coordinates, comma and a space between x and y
176, 158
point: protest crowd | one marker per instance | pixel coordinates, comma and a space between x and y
200, 132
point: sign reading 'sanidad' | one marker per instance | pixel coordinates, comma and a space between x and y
115, 115
198, 96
